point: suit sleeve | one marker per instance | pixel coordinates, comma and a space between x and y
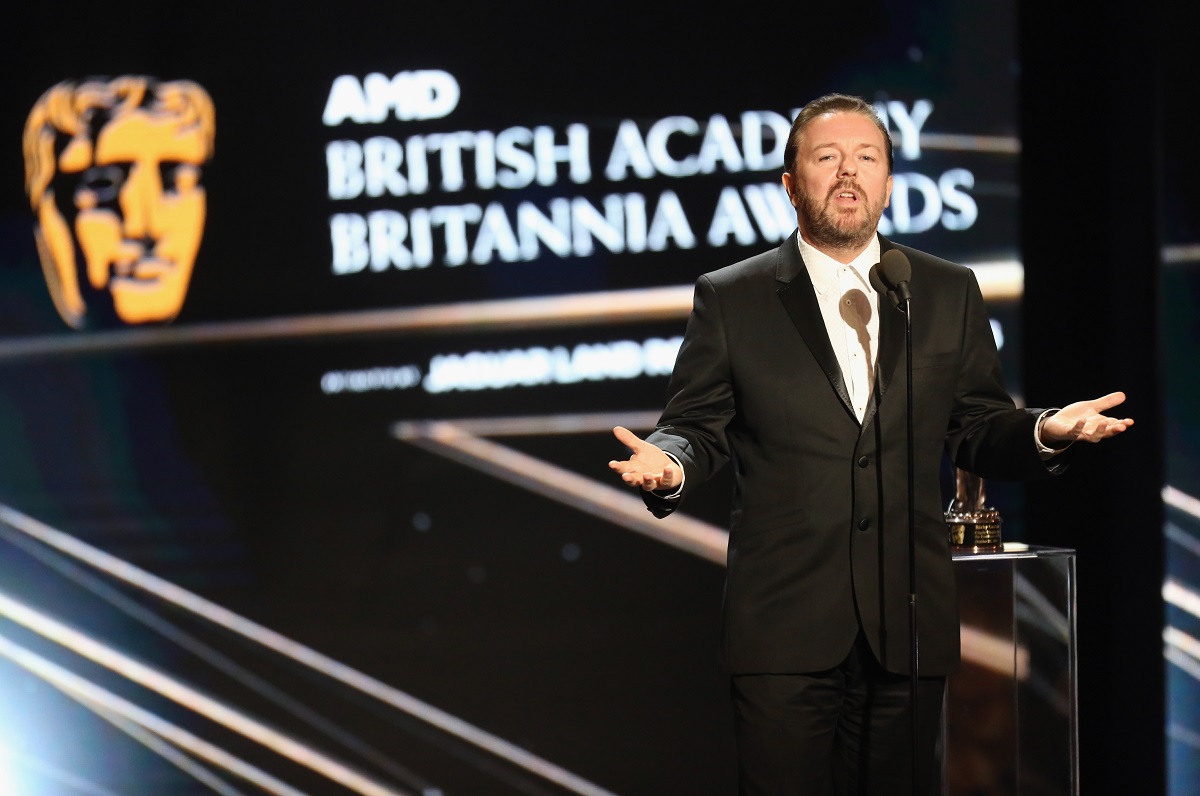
988, 435
700, 400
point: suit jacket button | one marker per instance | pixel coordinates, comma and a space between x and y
863, 524
863, 461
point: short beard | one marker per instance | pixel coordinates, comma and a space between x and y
819, 221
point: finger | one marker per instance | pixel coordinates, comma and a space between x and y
1104, 428
1117, 426
627, 437
1080, 428
633, 479
1097, 431
1107, 402
669, 478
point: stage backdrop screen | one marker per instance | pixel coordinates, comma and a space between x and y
323, 316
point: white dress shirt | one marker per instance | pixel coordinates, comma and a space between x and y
850, 309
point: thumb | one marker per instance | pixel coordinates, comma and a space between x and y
1109, 401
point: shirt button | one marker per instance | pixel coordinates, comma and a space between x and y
863, 461
863, 524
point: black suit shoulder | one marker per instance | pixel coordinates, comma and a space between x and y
933, 275
924, 261
752, 270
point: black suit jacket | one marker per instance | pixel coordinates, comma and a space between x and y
819, 531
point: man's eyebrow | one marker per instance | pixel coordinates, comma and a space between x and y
863, 145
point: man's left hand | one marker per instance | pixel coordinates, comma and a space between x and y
1085, 421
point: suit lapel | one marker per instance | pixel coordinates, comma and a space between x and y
800, 301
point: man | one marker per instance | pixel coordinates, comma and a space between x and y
113, 173
791, 369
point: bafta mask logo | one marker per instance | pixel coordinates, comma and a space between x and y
113, 173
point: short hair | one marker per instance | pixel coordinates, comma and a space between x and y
832, 103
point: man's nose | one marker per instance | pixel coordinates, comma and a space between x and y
141, 202
848, 167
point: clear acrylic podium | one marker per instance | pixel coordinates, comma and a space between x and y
1010, 722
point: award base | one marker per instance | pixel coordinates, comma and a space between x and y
975, 531
974, 526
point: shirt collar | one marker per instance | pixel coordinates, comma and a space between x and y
823, 269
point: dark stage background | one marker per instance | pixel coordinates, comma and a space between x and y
465, 608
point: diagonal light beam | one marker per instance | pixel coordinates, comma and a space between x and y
192, 699
1177, 498
1181, 596
586, 494
606, 307
999, 281
162, 748
1182, 650
277, 642
85, 691
77, 573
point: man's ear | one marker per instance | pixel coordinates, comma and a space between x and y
788, 185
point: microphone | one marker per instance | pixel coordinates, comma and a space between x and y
895, 273
881, 288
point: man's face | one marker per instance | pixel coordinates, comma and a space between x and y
130, 197
841, 183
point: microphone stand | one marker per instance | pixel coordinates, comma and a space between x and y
893, 280
912, 547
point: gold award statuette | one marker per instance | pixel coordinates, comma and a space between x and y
974, 526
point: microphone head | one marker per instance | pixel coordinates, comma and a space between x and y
876, 281
881, 288
894, 268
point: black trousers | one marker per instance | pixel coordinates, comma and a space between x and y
842, 732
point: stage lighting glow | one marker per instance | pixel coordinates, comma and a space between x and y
7, 780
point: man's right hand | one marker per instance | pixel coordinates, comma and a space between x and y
648, 467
